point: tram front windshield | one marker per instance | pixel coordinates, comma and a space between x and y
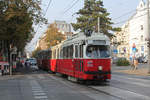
98, 51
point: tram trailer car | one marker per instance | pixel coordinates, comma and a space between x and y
83, 57
44, 59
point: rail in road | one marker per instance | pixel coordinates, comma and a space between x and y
41, 85
116, 92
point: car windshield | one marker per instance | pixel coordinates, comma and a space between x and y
31, 60
98, 51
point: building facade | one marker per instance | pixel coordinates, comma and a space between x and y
133, 36
63, 27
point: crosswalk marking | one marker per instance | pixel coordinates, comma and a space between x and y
39, 94
37, 91
40, 97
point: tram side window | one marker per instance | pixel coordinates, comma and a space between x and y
64, 52
76, 51
71, 51
81, 51
61, 53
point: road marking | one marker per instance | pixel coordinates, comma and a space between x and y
40, 97
37, 91
142, 80
135, 81
37, 94
124, 94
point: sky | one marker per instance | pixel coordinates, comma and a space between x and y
120, 11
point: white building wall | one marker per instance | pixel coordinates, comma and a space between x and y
138, 29
134, 31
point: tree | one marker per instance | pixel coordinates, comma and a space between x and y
16, 21
88, 18
53, 37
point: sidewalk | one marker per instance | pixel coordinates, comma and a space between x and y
142, 69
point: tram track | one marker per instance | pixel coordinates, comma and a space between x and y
88, 88
108, 89
105, 88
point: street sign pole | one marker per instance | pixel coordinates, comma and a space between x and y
148, 33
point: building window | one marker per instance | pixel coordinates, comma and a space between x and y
142, 48
141, 27
141, 37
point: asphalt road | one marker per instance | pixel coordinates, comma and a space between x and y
40, 85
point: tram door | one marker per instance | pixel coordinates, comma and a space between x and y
78, 61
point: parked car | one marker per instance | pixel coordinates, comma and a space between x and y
32, 62
145, 59
141, 59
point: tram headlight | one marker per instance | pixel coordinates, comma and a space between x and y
100, 68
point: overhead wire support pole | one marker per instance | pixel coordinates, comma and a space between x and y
98, 25
148, 33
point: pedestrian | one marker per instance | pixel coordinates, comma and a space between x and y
132, 63
135, 63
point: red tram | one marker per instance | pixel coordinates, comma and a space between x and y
80, 57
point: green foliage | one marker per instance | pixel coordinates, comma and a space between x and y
53, 37
92, 10
16, 21
123, 62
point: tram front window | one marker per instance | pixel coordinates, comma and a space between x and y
98, 51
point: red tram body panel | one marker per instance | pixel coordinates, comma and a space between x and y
85, 69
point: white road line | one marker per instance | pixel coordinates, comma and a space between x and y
38, 91
131, 82
40, 97
135, 81
124, 94
39, 94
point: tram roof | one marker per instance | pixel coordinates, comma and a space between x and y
81, 36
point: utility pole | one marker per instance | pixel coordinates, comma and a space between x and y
148, 33
98, 24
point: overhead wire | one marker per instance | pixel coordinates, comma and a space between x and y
125, 14
131, 19
71, 6
44, 14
